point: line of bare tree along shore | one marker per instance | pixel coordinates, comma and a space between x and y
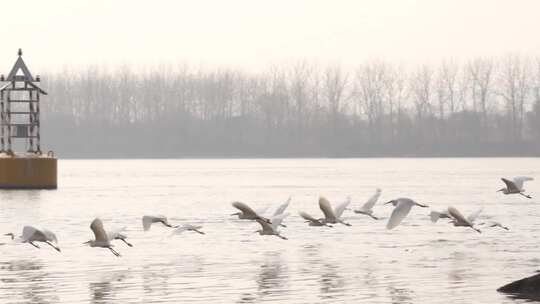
483, 107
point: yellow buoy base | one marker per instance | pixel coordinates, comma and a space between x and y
28, 172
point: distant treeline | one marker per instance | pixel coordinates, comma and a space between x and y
484, 107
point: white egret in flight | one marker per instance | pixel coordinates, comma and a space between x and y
148, 220
333, 216
459, 220
271, 228
515, 186
187, 227
31, 234
101, 237
367, 208
402, 207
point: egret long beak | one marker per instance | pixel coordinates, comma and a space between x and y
500, 190
390, 202
237, 213
87, 242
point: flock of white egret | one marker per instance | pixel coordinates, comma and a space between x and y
270, 225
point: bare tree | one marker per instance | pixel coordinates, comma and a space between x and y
295, 110
368, 90
481, 71
395, 95
421, 85
335, 83
514, 88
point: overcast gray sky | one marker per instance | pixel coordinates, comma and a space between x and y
252, 34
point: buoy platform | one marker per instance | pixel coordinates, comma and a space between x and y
28, 171
20, 124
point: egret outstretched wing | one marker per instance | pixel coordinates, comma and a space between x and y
116, 233
28, 233
282, 207
371, 201
338, 211
399, 213
326, 208
245, 209
49, 236
99, 232
276, 220
471, 218
458, 216
510, 185
148, 220
519, 180
307, 217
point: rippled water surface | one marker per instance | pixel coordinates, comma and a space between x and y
418, 262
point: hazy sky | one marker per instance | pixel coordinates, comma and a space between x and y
253, 34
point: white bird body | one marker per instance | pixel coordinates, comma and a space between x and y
273, 228
333, 216
402, 208
515, 186
188, 227
101, 238
148, 220
31, 234
367, 208
459, 220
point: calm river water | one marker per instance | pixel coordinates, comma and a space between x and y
418, 262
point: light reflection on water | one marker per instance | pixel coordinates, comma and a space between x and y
418, 262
